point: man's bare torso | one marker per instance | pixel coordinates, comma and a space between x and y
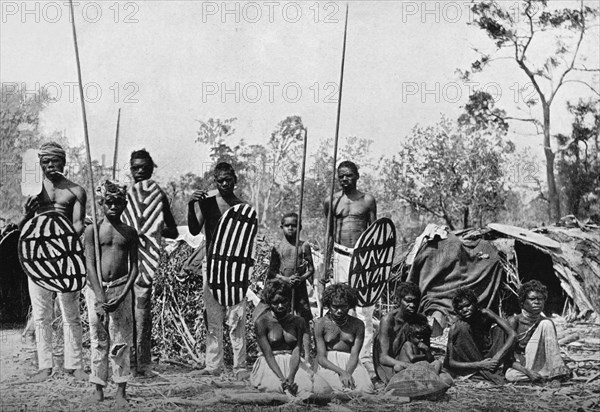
352, 216
61, 197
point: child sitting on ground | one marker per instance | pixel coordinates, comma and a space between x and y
416, 348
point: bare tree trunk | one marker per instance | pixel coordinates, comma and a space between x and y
445, 215
466, 218
553, 195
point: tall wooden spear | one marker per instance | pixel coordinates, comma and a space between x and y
114, 170
329, 239
87, 149
300, 212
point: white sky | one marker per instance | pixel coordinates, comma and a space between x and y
171, 54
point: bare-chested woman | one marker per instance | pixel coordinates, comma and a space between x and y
353, 212
339, 339
280, 336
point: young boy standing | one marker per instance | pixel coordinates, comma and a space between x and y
109, 299
283, 259
281, 266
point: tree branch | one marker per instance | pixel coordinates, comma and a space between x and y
416, 203
581, 33
584, 83
585, 69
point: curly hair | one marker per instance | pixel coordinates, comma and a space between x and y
142, 154
341, 292
225, 167
532, 286
407, 288
289, 214
418, 328
464, 294
350, 165
275, 287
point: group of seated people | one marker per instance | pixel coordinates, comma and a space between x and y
480, 343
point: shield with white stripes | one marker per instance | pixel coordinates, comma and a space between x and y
51, 253
144, 213
230, 254
372, 260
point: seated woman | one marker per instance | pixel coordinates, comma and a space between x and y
339, 339
479, 342
537, 353
393, 331
279, 335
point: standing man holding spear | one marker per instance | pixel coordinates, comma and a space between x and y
349, 213
61, 195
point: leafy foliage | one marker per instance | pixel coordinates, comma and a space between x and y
19, 121
579, 162
452, 171
517, 30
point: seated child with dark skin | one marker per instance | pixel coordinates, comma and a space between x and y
415, 349
279, 330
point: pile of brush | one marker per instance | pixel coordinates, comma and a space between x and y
179, 331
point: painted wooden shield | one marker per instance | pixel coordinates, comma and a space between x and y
230, 254
51, 253
144, 213
371, 261
524, 234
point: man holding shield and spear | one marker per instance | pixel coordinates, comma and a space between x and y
352, 213
62, 195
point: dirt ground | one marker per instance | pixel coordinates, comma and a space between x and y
174, 389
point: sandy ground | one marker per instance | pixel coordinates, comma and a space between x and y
174, 389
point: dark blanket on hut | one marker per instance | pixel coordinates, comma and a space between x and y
443, 265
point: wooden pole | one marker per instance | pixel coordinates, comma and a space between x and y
87, 149
114, 170
300, 212
329, 235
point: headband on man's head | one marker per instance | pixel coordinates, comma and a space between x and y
52, 149
111, 189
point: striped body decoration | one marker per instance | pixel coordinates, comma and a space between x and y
230, 257
371, 261
51, 253
144, 213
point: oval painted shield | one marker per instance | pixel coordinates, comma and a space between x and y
51, 253
230, 254
372, 260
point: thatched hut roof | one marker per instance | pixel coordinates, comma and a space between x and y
574, 267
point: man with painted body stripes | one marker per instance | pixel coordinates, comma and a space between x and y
211, 206
149, 212
353, 212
